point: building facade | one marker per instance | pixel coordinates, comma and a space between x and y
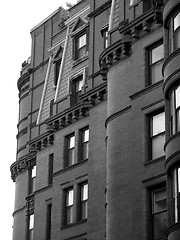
99, 121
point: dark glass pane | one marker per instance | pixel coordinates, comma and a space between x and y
71, 156
81, 51
158, 146
84, 209
160, 226
85, 150
69, 215
156, 72
177, 39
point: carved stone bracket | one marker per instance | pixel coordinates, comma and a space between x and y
43, 142
78, 111
114, 53
22, 165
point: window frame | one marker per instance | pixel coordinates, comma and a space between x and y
74, 96
151, 210
150, 64
84, 145
48, 221
69, 149
173, 32
69, 208
83, 203
50, 168
32, 180
154, 136
174, 111
30, 228
76, 37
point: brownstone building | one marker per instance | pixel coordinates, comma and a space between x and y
99, 124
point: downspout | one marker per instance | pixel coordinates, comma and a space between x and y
62, 65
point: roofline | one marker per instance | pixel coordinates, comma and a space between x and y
46, 19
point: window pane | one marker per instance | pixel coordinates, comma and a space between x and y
177, 94
157, 54
69, 215
177, 21
31, 221
82, 41
81, 52
178, 179
79, 85
33, 172
84, 209
159, 200
84, 192
85, 151
86, 136
72, 142
71, 157
158, 124
70, 194
177, 39
158, 146
156, 72
160, 226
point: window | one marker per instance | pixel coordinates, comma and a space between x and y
174, 32
83, 201
70, 156
104, 34
175, 110
51, 108
80, 45
84, 144
175, 201
156, 55
48, 222
31, 227
69, 199
50, 168
159, 213
57, 64
77, 85
157, 135
32, 180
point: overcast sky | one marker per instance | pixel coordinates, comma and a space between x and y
17, 19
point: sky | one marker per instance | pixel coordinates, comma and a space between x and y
17, 19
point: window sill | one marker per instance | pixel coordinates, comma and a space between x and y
155, 160
80, 60
73, 224
70, 167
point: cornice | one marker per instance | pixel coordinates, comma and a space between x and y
129, 33
79, 110
22, 165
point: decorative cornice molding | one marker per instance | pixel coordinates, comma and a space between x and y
22, 165
79, 110
117, 114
